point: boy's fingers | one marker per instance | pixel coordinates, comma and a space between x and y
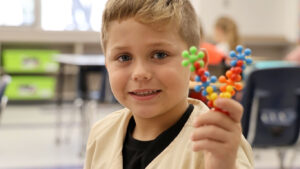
234, 108
215, 118
211, 132
207, 145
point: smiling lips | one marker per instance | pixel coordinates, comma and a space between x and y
145, 94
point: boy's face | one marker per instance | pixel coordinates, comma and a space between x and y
144, 67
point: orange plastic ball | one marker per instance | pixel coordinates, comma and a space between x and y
228, 73
222, 79
223, 88
238, 86
239, 78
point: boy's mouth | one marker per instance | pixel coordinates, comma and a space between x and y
144, 92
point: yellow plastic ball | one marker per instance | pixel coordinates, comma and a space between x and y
229, 89
222, 95
208, 97
209, 89
214, 96
227, 95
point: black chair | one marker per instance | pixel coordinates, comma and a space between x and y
271, 103
4, 81
83, 91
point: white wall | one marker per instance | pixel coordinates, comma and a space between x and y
292, 20
266, 18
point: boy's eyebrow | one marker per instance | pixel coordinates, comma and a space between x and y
120, 48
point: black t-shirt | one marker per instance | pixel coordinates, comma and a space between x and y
138, 154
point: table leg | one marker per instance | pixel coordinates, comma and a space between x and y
83, 127
59, 101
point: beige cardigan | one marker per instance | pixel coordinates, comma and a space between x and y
104, 147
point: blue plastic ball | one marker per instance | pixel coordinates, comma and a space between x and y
248, 61
233, 63
241, 57
204, 93
232, 54
239, 48
247, 52
197, 88
197, 79
214, 87
205, 84
213, 79
244, 67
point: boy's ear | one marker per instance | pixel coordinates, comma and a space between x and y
205, 59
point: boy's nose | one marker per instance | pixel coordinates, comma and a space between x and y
141, 73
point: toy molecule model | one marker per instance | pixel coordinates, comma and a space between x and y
229, 82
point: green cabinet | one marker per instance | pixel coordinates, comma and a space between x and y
29, 61
31, 88
32, 73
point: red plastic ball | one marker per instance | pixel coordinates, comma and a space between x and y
200, 72
240, 63
203, 78
197, 65
222, 111
210, 104
234, 77
238, 70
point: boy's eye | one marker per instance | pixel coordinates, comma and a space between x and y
160, 55
124, 58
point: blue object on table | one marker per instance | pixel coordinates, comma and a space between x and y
273, 64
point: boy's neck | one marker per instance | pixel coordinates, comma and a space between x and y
149, 129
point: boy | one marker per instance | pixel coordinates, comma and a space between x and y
160, 128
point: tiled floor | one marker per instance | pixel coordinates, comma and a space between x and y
27, 138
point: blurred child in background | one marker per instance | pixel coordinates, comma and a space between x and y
226, 35
215, 56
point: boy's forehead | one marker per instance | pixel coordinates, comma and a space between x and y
119, 30
158, 26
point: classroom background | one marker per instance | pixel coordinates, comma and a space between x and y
54, 86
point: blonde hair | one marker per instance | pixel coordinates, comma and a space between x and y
153, 12
230, 29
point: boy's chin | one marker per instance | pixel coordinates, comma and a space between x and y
146, 113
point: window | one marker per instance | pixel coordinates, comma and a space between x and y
84, 15
17, 13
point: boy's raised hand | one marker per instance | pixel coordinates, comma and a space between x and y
219, 135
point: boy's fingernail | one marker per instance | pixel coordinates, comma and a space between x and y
218, 100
